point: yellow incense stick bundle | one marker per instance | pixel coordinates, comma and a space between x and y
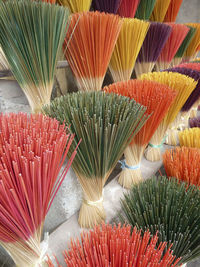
127, 48
194, 44
190, 137
184, 87
183, 163
91, 46
76, 5
160, 10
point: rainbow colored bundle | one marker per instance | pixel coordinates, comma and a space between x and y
128, 45
32, 152
190, 137
108, 6
91, 46
116, 246
160, 10
128, 8
173, 10
183, 163
157, 98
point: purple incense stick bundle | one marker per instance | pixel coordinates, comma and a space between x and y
154, 42
108, 6
194, 122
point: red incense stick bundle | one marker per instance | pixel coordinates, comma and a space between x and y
128, 8
32, 151
89, 45
116, 246
173, 10
190, 65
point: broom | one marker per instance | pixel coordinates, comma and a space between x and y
194, 122
160, 10
157, 98
164, 205
184, 86
108, 6
128, 8
190, 137
153, 44
32, 151
76, 5
173, 10
178, 34
32, 44
145, 9
91, 46
105, 123
128, 45
181, 51
183, 163
118, 246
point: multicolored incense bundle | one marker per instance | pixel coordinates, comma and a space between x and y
160, 10
116, 246
178, 34
76, 5
164, 205
128, 45
153, 44
108, 6
173, 10
184, 86
32, 45
105, 123
128, 8
89, 49
145, 9
157, 98
190, 137
32, 151
194, 122
183, 163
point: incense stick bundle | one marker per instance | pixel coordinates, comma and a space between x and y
118, 246
181, 51
105, 123
190, 65
128, 8
128, 45
90, 48
33, 149
108, 6
3, 61
153, 44
76, 5
190, 137
157, 98
184, 86
32, 45
145, 9
183, 163
173, 10
164, 205
194, 122
160, 10
178, 34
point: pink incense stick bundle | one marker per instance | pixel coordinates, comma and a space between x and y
118, 246
32, 151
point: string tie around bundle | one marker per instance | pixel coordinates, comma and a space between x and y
160, 145
125, 166
93, 203
44, 249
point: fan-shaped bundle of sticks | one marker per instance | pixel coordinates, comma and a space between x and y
105, 123
194, 122
32, 151
190, 137
167, 206
128, 45
108, 6
160, 10
128, 8
157, 98
118, 246
177, 36
32, 44
76, 5
190, 65
153, 44
173, 10
183, 163
145, 9
184, 86
89, 49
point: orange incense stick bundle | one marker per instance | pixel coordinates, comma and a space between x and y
195, 42
32, 151
157, 98
160, 10
178, 34
183, 163
88, 47
184, 86
190, 137
118, 246
127, 48
128, 8
173, 10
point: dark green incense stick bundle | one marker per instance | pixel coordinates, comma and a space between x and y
104, 123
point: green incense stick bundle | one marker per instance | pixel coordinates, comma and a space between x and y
104, 123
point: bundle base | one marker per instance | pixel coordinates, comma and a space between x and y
128, 178
153, 154
172, 137
144, 67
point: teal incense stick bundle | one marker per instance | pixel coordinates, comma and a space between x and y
105, 123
